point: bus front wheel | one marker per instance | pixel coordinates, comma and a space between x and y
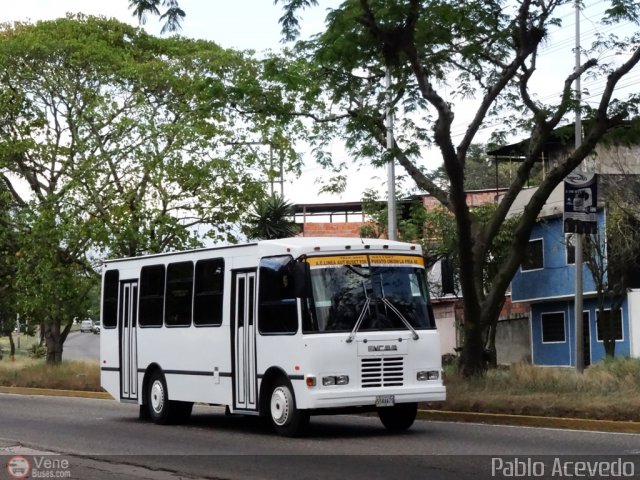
399, 417
286, 419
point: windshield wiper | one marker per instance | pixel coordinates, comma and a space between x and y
402, 317
360, 318
396, 311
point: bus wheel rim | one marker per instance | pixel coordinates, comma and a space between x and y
280, 406
157, 396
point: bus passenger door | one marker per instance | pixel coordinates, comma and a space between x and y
244, 346
128, 340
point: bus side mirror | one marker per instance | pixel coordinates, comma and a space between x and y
301, 279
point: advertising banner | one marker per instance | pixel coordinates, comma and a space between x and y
580, 202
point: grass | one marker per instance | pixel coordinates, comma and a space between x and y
23, 344
607, 391
71, 375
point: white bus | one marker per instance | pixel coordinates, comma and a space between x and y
281, 328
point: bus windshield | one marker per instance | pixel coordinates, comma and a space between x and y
384, 296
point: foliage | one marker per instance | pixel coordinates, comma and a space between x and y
53, 286
37, 351
127, 144
440, 54
480, 171
172, 16
8, 249
269, 219
411, 218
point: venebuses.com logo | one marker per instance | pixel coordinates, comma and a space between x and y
18, 467
38, 467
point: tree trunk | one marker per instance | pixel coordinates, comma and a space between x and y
472, 358
53, 341
12, 353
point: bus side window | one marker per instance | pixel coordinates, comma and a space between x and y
110, 299
151, 296
277, 304
179, 296
208, 292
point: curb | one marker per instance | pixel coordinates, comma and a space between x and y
613, 426
437, 415
51, 392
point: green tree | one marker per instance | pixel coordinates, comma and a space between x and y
52, 283
128, 144
270, 218
8, 250
411, 221
437, 53
435, 230
481, 172
172, 14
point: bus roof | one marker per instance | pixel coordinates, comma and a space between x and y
297, 246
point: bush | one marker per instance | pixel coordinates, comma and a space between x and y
37, 351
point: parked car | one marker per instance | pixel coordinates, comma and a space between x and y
86, 326
96, 328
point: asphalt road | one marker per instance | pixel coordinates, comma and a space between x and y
82, 346
104, 439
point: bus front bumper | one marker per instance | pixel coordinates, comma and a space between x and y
326, 398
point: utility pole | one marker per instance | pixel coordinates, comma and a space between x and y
271, 167
392, 223
578, 237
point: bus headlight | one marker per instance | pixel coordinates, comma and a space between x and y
335, 380
425, 375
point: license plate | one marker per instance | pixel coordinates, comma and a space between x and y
385, 400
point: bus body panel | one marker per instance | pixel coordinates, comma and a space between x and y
191, 356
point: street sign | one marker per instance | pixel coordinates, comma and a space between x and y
580, 202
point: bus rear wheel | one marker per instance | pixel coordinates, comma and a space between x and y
158, 399
285, 417
399, 417
160, 409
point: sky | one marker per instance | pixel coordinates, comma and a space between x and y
253, 25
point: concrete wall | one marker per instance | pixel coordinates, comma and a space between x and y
513, 341
336, 229
444, 313
513, 335
633, 303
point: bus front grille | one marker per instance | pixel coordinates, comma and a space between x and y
382, 372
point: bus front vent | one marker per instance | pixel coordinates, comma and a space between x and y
382, 372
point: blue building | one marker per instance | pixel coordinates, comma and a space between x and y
546, 280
